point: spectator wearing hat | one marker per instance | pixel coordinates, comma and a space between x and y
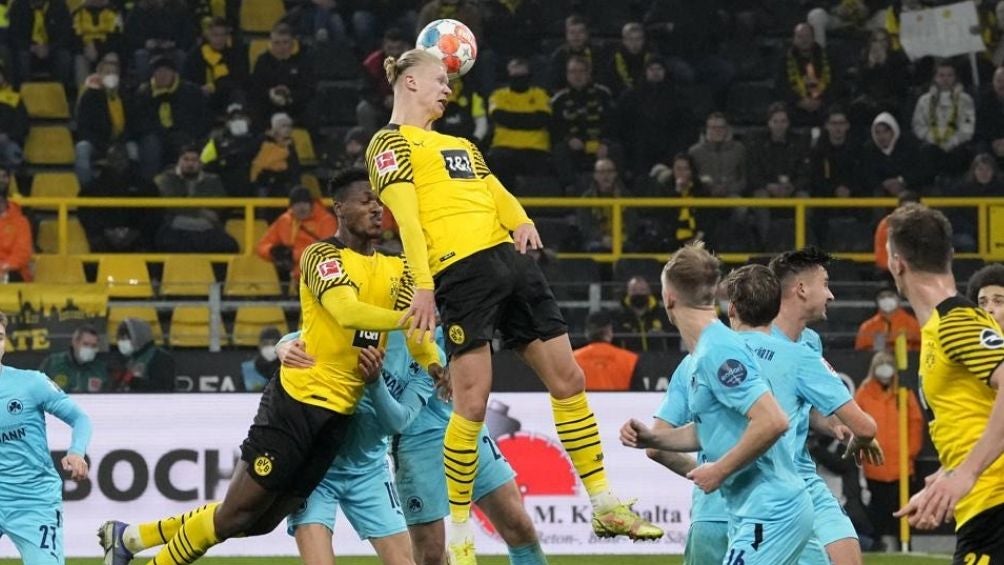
257, 371
275, 169
101, 118
306, 221
230, 150
158, 28
282, 79
13, 123
881, 331
606, 366
170, 113
138, 364
218, 65
192, 230
521, 113
41, 34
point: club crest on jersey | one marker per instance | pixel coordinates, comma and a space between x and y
991, 339
329, 269
386, 162
14, 407
732, 373
262, 466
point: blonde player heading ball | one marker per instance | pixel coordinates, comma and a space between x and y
455, 220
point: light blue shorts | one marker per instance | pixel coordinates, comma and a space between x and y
37, 532
707, 542
369, 502
831, 523
770, 542
421, 483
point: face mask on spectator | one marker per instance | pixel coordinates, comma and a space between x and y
884, 373
267, 352
888, 304
520, 83
638, 300
87, 354
111, 82
125, 347
238, 127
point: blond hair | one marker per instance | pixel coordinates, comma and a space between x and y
694, 273
397, 67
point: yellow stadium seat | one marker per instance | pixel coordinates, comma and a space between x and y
59, 269
55, 185
313, 185
126, 277
190, 326
249, 275
186, 275
76, 238
146, 313
235, 227
258, 16
251, 320
255, 48
46, 100
49, 145
304, 147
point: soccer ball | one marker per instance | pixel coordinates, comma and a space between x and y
452, 42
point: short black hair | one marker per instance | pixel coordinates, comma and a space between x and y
342, 180
908, 196
755, 292
189, 148
219, 21
798, 261
86, 328
991, 275
596, 323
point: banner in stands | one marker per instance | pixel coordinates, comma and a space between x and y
944, 31
42, 317
159, 455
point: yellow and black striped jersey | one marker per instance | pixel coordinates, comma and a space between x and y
961, 345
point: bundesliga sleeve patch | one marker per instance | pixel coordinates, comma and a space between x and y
732, 373
386, 162
329, 269
991, 339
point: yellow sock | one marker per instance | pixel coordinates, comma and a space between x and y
460, 458
580, 436
152, 534
196, 536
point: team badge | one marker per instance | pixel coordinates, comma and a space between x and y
415, 505
329, 269
262, 466
14, 407
732, 373
991, 339
456, 334
386, 162
62, 381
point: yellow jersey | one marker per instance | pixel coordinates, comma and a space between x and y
335, 382
961, 345
462, 207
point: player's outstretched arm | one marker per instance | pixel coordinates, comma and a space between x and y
679, 463
57, 403
638, 435
402, 200
863, 446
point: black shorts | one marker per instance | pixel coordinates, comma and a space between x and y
981, 539
291, 444
496, 289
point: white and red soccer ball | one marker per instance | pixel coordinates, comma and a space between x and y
452, 42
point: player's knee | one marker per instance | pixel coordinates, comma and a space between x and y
518, 530
571, 381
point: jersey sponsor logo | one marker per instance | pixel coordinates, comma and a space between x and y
386, 162
329, 269
458, 164
14, 407
263, 465
456, 334
732, 373
13, 435
366, 338
991, 339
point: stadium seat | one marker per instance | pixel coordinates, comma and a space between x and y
651, 269
313, 185
49, 145
190, 326
336, 103
45, 100
55, 185
126, 277
249, 275
59, 269
76, 238
570, 278
235, 228
251, 320
304, 147
146, 313
186, 275
258, 16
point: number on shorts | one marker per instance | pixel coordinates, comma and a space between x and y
975, 559
736, 558
392, 494
48, 537
491, 445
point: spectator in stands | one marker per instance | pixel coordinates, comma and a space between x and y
893, 15
230, 151
881, 331
307, 220
348, 152
218, 65
983, 180
883, 78
986, 288
41, 35
944, 120
192, 230
282, 80
466, 11
257, 371
13, 123
778, 166
317, 21
373, 111
97, 26
834, 160
853, 14
654, 118
882, 232
689, 34
641, 321
16, 244
120, 229
521, 113
203, 12
80, 368
806, 81
596, 223
721, 161
513, 28
170, 113
878, 397
606, 366
577, 45
102, 118
890, 163
627, 65
990, 118
158, 29
465, 113
275, 169
581, 122
677, 181
140, 365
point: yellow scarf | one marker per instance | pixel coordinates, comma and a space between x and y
686, 224
797, 76
116, 112
164, 110
9, 96
215, 67
39, 35
943, 135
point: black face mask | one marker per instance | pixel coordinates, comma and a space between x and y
190, 176
520, 83
638, 300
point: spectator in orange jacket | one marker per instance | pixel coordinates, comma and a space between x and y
878, 397
305, 222
606, 366
881, 330
882, 232
15, 236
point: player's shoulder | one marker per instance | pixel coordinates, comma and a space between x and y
389, 134
29, 379
330, 248
960, 309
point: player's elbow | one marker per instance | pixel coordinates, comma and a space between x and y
776, 424
652, 453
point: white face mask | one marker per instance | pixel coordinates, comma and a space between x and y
238, 127
888, 304
125, 347
87, 354
267, 352
884, 373
111, 82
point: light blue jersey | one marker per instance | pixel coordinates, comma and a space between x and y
430, 425
809, 338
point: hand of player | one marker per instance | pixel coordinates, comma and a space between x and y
863, 450
911, 514
706, 477
636, 434
526, 237
943, 494
444, 386
841, 433
370, 362
421, 315
76, 465
294, 354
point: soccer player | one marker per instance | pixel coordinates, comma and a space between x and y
31, 491
800, 379
986, 288
737, 423
348, 294
961, 371
455, 220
